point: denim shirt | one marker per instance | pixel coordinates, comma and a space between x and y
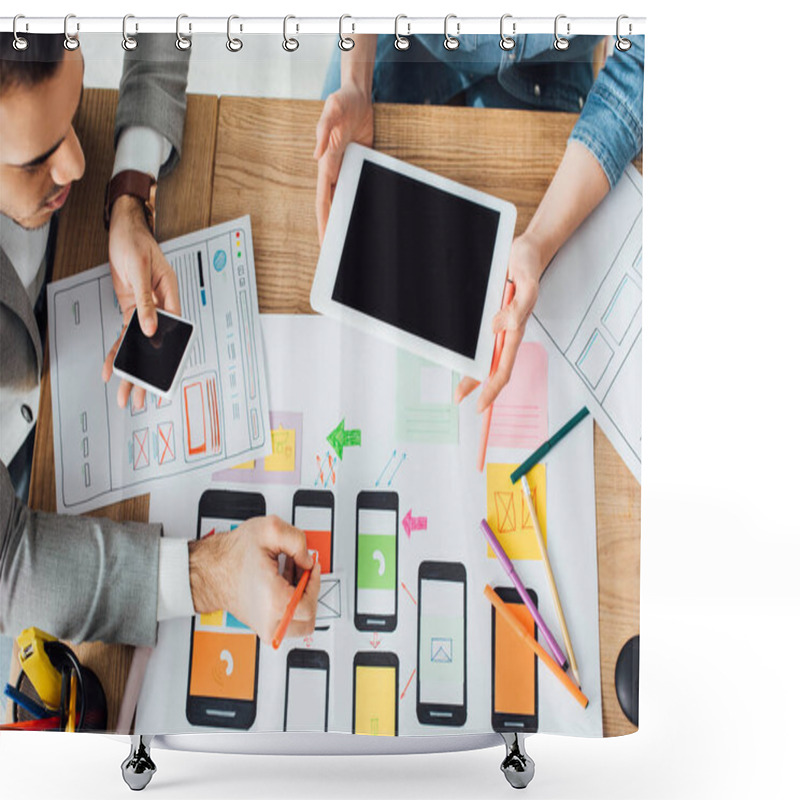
534, 75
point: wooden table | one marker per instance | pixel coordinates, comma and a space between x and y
253, 156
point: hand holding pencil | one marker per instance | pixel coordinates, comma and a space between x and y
237, 571
525, 267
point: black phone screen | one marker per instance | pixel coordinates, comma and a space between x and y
417, 257
154, 360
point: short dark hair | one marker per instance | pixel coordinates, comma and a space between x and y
27, 68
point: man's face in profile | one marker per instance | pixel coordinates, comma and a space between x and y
40, 155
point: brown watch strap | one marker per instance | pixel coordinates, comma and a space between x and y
136, 184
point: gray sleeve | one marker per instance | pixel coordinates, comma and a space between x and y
78, 578
152, 92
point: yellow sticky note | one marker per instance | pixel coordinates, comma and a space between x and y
283, 451
214, 618
246, 465
507, 510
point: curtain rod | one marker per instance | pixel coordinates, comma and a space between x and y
299, 25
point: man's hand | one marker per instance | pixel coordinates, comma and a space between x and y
237, 572
347, 117
525, 267
142, 277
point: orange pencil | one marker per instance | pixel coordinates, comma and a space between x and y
501, 609
280, 631
499, 341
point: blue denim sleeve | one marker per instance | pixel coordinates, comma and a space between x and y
610, 125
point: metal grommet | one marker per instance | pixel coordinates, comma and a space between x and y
289, 44
623, 44
345, 42
233, 44
128, 42
401, 42
71, 42
507, 42
450, 42
181, 41
20, 42
560, 42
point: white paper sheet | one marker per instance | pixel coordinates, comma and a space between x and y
219, 413
321, 373
589, 314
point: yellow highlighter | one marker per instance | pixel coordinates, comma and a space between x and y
36, 664
73, 698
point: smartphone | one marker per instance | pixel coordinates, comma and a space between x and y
307, 686
442, 643
515, 694
155, 362
375, 693
223, 659
376, 561
312, 512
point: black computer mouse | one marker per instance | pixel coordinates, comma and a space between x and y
626, 679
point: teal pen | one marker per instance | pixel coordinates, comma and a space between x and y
529, 463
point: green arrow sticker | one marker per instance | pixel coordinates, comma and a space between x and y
339, 438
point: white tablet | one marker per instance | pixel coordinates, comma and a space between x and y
416, 259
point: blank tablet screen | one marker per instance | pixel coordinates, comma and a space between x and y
417, 258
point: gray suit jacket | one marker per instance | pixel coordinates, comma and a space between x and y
80, 577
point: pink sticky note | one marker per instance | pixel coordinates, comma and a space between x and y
519, 418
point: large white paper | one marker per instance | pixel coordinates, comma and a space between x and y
219, 413
320, 373
589, 314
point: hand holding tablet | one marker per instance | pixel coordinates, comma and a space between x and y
416, 259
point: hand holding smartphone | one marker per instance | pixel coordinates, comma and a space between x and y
155, 363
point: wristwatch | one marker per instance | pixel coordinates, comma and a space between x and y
136, 184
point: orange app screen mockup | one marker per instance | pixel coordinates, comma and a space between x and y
223, 649
514, 665
316, 522
375, 701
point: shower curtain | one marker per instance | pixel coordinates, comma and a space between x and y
408, 266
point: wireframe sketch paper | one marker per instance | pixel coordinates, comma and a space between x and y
589, 313
339, 387
218, 416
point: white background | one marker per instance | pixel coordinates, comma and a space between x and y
720, 603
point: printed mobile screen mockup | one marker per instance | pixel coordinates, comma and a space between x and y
223, 648
377, 565
441, 642
514, 665
375, 700
306, 699
418, 258
316, 522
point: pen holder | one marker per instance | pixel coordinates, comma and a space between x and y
90, 696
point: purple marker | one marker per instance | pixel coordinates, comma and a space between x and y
508, 568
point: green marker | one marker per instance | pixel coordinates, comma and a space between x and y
530, 462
